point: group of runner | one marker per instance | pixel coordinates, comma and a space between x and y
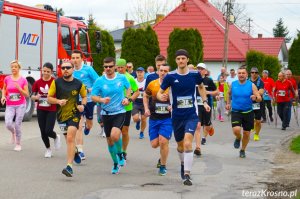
176, 102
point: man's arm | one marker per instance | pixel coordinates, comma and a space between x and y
256, 95
202, 92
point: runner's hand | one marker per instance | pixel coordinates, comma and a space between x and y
207, 107
3, 100
125, 102
105, 100
147, 113
62, 102
217, 98
227, 107
253, 97
80, 107
164, 97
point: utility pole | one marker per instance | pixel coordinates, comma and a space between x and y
228, 16
249, 28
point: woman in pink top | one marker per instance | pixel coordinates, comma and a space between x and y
14, 93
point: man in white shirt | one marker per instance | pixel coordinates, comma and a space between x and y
232, 77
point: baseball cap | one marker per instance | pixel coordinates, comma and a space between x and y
121, 62
254, 69
140, 69
201, 65
265, 71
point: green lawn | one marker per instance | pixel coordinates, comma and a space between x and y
295, 145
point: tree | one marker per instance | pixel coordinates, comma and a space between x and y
188, 39
238, 11
108, 48
271, 63
140, 46
294, 56
255, 59
281, 31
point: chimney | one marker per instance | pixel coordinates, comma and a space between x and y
159, 17
259, 35
128, 23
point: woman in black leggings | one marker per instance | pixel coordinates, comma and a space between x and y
46, 112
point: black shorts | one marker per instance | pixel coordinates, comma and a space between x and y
89, 110
204, 117
257, 114
74, 121
245, 120
111, 121
138, 108
127, 118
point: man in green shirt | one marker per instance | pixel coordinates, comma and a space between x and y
121, 67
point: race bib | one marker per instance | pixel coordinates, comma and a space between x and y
256, 106
14, 97
221, 94
281, 93
199, 100
141, 95
43, 102
185, 102
161, 108
63, 127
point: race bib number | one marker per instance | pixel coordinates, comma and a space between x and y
199, 100
281, 93
63, 127
141, 95
256, 106
14, 97
43, 102
161, 108
185, 102
221, 94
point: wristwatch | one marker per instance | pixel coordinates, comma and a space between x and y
129, 99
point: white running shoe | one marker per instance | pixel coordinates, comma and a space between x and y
48, 153
102, 133
18, 147
57, 142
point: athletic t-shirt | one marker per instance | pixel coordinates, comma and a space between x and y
70, 91
114, 89
158, 109
141, 86
283, 91
268, 86
240, 96
259, 85
87, 75
42, 87
150, 78
295, 87
13, 95
209, 86
134, 87
183, 93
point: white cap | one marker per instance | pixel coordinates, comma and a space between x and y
201, 65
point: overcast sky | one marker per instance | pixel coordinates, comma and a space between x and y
111, 13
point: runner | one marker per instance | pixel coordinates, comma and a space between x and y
256, 80
182, 83
203, 115
283, 91
222, 87
14, 93
240, 98
65, 92
130, 70
87, 75
159, 61
46, 113
109, 91
121, 67
160, 124
293, 96
268, 95
138, 111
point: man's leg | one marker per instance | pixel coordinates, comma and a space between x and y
125, 133
79, 138
197, 151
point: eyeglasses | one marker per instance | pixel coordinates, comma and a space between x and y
254, 72
66, 67
109, 66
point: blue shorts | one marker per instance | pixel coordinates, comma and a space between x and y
89, 110
184, 126
161, 127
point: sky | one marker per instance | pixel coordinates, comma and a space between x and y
110, 14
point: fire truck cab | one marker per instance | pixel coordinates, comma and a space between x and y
34, 36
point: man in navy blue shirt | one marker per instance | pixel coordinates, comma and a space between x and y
160, 60
182, 83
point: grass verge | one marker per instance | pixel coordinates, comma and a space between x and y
295, 145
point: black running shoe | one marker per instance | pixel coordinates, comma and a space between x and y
237, 143
203, 141
242, 154
158, 163
197, 152
68, 171
124, 155
187, 180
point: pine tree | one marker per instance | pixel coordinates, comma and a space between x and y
281, 31
294, 56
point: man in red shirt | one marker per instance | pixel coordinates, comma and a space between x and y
268, 95
288, 76
282, 95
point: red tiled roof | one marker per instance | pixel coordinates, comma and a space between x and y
210, 22
270, 46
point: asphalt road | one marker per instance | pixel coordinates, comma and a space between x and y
219, 173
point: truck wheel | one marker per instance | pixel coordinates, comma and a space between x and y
29, 106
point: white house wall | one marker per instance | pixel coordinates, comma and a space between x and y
215, 67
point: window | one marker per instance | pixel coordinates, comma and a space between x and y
65, 37
83, 40
75, 37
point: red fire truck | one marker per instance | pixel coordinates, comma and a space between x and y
34, 36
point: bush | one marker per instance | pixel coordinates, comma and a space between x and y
271, 64
255, 59
294, 56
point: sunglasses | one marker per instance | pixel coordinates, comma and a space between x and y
254, 72
129, 66
66, 67
109, 66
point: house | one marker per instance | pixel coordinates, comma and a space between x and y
210, 22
